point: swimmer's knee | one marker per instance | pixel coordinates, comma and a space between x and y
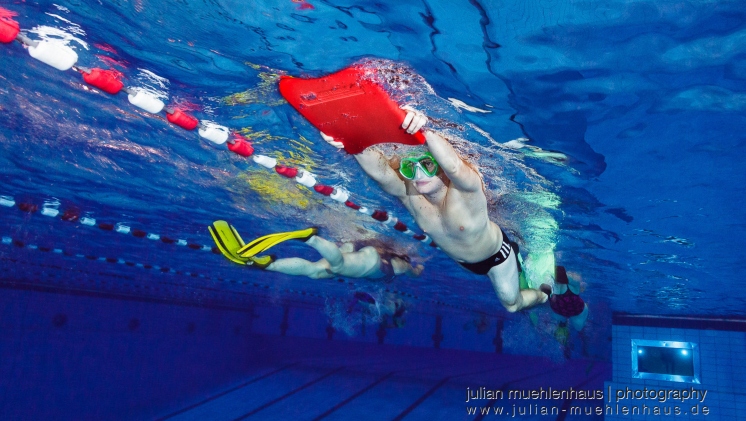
335, 269
511, 308
320, 270
514, 305
520, 301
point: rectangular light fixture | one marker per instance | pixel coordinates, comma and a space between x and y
665, 360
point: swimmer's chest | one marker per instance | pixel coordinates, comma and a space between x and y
458, 217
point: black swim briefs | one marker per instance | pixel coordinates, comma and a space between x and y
481, 268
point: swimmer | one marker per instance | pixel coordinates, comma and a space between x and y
446, 197
367, 262
565, 300
379, 262
393, 307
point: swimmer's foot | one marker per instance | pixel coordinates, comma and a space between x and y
228, 241
261, 262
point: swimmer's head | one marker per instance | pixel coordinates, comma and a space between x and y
417, 166
423, 171
364, 297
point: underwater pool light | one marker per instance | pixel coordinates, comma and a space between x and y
671, 361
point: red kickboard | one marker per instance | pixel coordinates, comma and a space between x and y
351, 109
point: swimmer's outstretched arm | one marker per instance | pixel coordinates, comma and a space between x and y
461, 175
377, 167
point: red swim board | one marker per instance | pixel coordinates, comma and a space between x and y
350, 108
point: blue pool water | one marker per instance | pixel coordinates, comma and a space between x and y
609, 134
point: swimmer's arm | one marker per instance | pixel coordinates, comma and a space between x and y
377, 167
461, 175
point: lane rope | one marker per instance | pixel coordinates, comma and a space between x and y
73, 215
63, 58
8, 241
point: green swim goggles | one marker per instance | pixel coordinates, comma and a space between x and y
425, 162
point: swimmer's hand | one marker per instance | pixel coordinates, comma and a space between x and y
415, 271
330, 140
418, 270
414, 120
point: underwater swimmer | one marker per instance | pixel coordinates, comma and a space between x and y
390, 306
446, 197
566, 301
367, 262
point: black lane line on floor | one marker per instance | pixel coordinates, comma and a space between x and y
353, 397
421, 399
287, 395
372, 385
212, 398
114, 295
427, 394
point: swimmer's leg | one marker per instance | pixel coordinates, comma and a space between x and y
328, 251
578, 321
505, 280
357, 264
302, 267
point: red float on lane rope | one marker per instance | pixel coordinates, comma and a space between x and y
106, 226
28, 207
106, 80
241, 147
325, 190
183, 120
380, 215
9, 30
288, 172
70, 215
